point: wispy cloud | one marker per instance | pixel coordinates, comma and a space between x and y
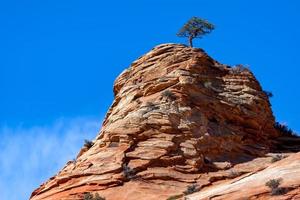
29, 156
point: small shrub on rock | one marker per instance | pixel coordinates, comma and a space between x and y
273, 184
151, 106
284, 130
277, 157
237, 69
88, 144
191, 189
268, 93
168, 94
128, 172
89, 196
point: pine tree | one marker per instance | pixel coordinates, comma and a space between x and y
195, 28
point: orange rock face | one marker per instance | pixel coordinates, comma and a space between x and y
252, 185
179, 118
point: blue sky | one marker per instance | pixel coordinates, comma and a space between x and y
58, 61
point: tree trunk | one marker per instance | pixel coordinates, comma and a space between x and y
191, 41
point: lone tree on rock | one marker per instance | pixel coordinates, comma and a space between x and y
195, 28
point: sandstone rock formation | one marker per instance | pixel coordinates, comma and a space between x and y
179, 118
252, 185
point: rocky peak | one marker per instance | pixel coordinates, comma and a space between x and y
178, 118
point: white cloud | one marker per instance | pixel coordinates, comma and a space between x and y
29, 156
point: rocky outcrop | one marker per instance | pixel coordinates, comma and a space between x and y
253, 185
178, 118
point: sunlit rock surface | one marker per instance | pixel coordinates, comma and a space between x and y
180, 118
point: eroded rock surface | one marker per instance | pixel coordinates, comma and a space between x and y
178, 118
252, 185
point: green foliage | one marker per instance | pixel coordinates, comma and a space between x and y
195, 28
89, 196
191, 189
88, 144
277, 157
284, 130
168, 94
268, 94
273, 184
151, 106
237, 69
128, 173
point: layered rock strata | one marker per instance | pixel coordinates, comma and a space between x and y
178, 118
